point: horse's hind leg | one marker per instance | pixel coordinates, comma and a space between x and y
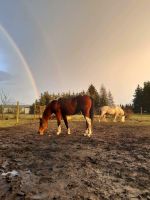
88, 131
102, 116
58, 116
66, 123
89, 122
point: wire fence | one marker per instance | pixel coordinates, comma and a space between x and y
18, 112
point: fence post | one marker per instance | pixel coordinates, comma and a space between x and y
17, 113
2, 107
141, 110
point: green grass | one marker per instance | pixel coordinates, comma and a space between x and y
133, 120
10, 120
137, 119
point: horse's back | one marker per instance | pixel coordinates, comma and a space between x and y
84, 100
107, 109
71, 106
112, 110
104, 108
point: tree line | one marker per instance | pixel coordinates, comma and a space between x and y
141, 100
140, 103
100, 98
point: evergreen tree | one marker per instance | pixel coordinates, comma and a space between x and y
92, 92
138, 99
103, 97
128, 108
146, 97
110, 99
44, 98
82, 93
34, 106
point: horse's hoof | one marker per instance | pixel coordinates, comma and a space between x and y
69, 131
86, 131
89, 135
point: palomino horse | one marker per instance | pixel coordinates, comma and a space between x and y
68, 106
117, 111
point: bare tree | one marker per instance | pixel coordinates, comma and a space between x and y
4, 98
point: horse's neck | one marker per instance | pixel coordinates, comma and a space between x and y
47, 113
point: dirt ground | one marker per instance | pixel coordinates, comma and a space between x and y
113, 164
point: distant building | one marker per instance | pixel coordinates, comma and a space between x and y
11, 109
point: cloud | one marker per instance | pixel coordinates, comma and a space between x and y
4, 76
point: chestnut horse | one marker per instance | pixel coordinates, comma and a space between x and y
68, 106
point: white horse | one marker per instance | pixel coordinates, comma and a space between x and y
117, 111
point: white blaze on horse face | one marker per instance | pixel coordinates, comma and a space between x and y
59, 130
89, 126
68, 130
41, 132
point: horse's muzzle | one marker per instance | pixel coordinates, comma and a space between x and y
41, 133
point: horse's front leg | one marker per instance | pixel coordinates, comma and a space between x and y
115, 118
102, 117
58, 117
66, 123
88, 131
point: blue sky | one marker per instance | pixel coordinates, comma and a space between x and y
69, 44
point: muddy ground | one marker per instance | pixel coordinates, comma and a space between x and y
113, 164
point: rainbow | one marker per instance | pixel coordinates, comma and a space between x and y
23, 60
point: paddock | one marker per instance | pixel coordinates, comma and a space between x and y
112, 164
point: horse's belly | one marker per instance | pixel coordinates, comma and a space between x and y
111, 112
69, 111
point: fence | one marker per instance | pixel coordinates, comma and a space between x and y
18, 112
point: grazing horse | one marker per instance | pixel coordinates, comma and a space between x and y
114, 110
68, 106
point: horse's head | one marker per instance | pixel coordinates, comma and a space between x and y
123, 118
43, 126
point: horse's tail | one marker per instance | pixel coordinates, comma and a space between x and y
92, 110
